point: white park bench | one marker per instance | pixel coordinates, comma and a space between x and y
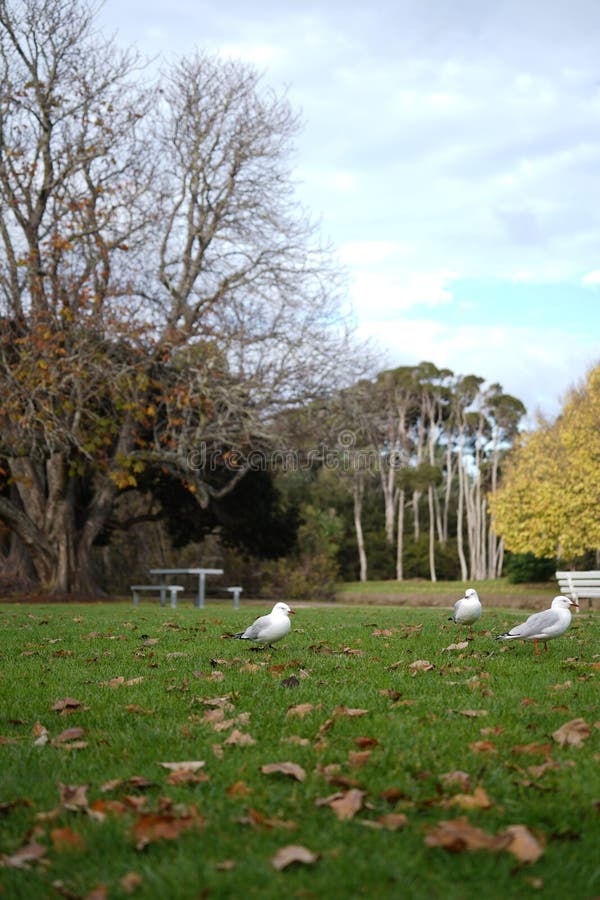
580, 585
172, 589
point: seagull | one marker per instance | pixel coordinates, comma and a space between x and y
268, 629
543, 626
467, 610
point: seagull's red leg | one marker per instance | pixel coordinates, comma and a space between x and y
546, 646
535, 644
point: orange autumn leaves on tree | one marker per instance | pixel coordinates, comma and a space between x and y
549, 499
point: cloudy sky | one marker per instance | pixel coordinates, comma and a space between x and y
451, 153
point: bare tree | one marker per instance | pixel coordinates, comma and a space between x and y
162, 293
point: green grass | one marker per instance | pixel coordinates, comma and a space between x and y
340, 659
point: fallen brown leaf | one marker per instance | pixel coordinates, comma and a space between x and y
239, 738
523, 844
420, 665
358, 758
152, 827
131, 882
188, 765
572, 733
70, 734
30, 853
535, 749
66, 839
293, 853
284, 768
391, 821
477, 800
301, 710
462, 645
345, 804
348, 711
457, 777
458, 835
73, 796
257, 820
483, 747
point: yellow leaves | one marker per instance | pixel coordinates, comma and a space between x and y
551, 493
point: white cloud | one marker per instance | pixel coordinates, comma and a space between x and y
592, 278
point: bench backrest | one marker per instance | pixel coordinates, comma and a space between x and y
580, 584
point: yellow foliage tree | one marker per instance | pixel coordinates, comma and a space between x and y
549, 500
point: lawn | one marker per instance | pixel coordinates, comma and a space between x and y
404, 761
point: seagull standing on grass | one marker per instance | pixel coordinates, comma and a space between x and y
467, 610
543, 626
268, 629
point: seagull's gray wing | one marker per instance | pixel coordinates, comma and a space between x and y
538, 623
254, 631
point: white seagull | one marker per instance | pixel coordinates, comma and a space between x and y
543, 626
467, 610
268, 629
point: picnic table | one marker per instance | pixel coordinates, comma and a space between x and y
201, 573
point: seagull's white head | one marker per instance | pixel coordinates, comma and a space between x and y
283, 608
471, 594
561, 602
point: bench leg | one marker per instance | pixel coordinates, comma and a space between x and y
136, 598
236, 599
173, 599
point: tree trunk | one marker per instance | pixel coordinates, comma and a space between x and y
358, 497
431, 534
400, 537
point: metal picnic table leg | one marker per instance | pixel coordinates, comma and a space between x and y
201, 592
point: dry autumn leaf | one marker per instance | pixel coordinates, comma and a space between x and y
66, 839
462, 645
152, 827
239, 738
293, 853
523, 844
477, 800
31, 852
390, 821
345, 804
348, 711
257, 820
188, 765
420, 665
572, 733
73, 796
458, 835
301, 710
284, 768
131, 882
457, 777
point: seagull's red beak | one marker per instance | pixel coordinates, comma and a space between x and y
292, 612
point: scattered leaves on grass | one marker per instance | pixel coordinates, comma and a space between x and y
523, 844
572, 733
533, 749
470, 713
41, 734
139, 710
358, 758
120, 681
462, 645
284, 768
293, 853
238, 789
345, 804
